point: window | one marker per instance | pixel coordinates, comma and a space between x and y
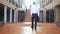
10, 1
13, 2
50, 1
7, 0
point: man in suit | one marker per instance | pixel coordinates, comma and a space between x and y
34, 14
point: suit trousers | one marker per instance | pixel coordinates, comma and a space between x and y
34, 19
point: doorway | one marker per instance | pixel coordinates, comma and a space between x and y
47, 15
50, 15
1, 13
41, 16
8, 14
21, 16
12, 15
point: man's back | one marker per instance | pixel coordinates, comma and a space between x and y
34, 9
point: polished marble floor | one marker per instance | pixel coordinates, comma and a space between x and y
25, 28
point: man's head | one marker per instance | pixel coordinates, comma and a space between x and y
34, 3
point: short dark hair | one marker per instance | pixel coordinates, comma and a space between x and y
34, 3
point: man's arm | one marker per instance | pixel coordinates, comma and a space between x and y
30, 11
38, 11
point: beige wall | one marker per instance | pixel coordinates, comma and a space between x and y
53, 4
5, 2
57, 14
57, 10
10, 5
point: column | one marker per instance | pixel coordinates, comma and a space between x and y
5, 14
14, 16
10, 15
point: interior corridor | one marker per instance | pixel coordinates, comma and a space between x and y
15, 16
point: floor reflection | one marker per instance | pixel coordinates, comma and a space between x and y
34, 32
28, 30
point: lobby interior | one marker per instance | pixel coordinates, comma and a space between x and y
15, 18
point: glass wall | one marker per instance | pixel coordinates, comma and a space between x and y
8, 14
1, 13
50, 15
41, 16
21, 15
